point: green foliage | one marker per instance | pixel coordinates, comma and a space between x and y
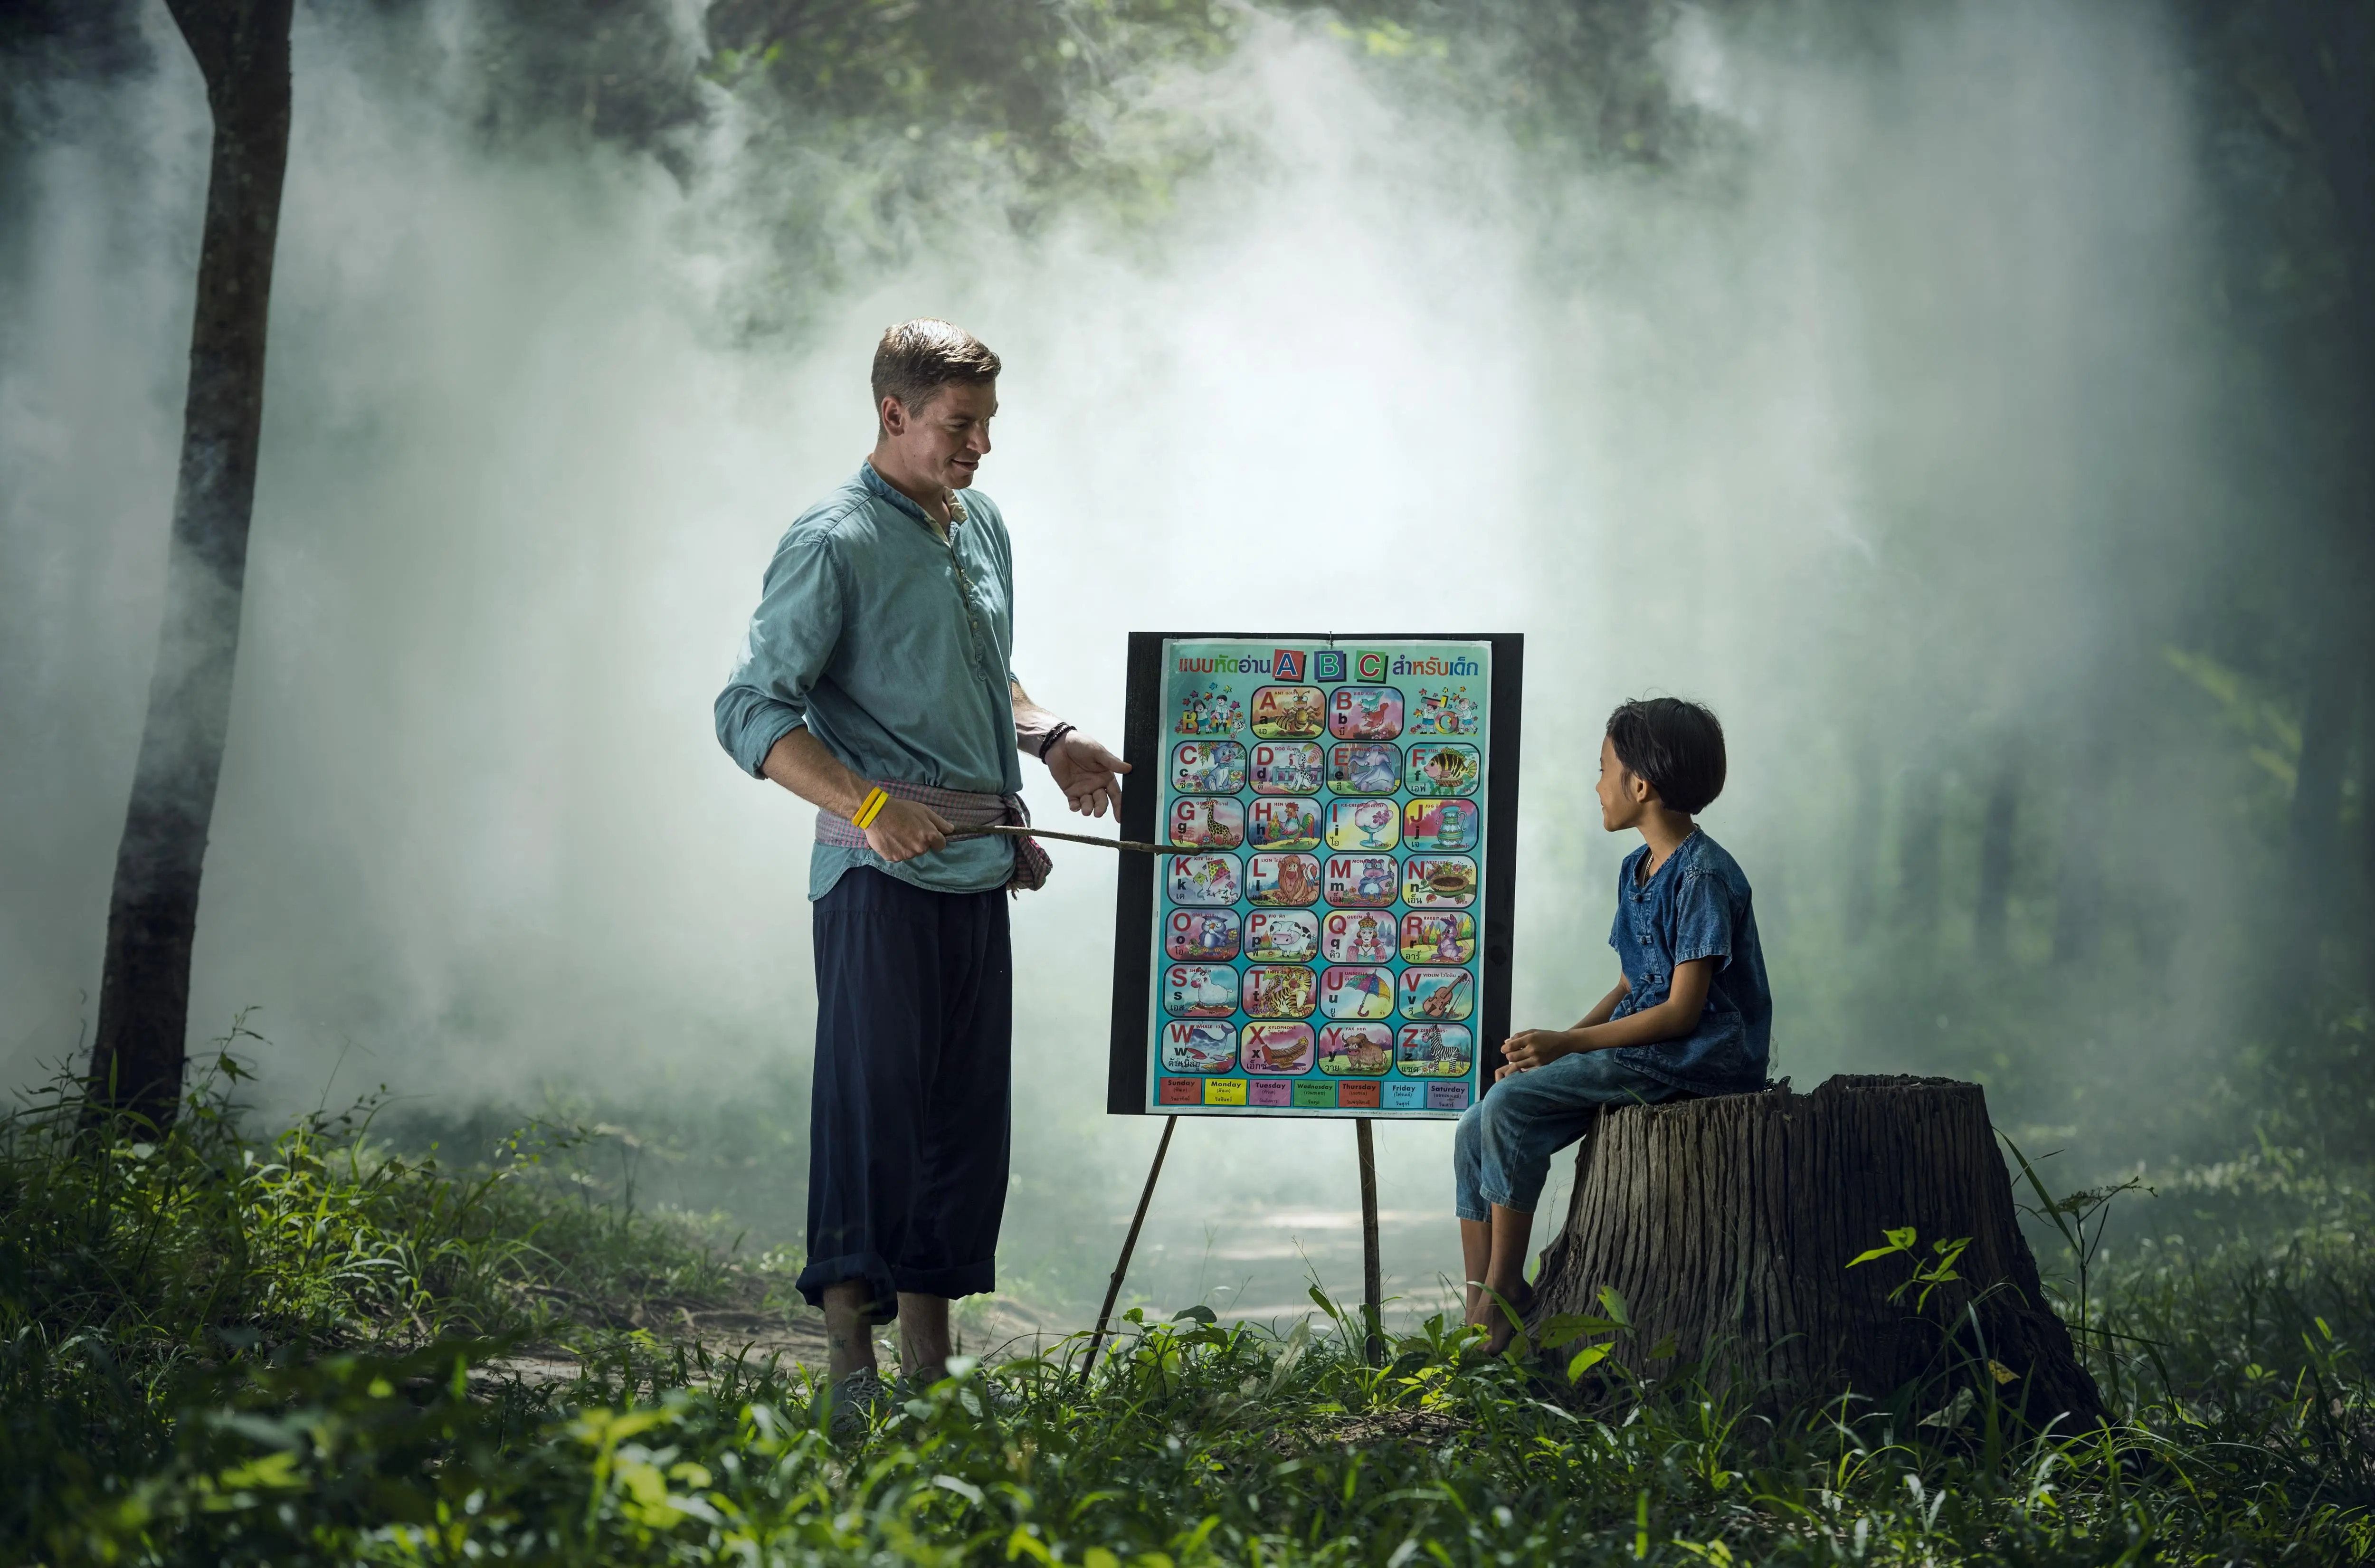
865, 132
2269, 729
620, 1184
223, 1351
1927, 1273
140, 1271
1202, 1442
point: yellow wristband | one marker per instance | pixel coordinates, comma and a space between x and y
870, 808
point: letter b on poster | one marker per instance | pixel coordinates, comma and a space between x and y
1327, 934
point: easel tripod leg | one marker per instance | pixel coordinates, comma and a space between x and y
1128, 1246
1372, 1301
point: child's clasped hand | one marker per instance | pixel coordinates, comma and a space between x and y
1532, 1049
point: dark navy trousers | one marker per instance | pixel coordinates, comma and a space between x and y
908, 1124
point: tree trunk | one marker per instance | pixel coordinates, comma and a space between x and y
1918, 884
1728, 1226
2314, 820
2329, 58
241, 47
2078, 881
2366, 820
1863, 854
1990, 918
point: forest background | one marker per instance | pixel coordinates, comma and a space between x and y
1969, 402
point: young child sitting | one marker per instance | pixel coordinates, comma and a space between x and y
1690, 1015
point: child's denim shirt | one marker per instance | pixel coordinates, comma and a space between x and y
1696, 906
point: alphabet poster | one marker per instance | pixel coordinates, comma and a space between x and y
1329, 936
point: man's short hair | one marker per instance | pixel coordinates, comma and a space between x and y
917, 358
1677, 746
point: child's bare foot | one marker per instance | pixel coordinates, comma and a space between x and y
1496, 1319
1479, 1309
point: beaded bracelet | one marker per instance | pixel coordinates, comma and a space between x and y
870, 808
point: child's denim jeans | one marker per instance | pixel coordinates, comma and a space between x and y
1503, 1152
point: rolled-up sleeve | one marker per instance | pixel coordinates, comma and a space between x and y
790, 640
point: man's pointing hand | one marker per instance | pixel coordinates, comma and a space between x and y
1087, 773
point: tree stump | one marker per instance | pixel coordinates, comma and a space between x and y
1728, 1224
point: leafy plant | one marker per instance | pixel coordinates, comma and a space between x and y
144, 1272
2070, 1216
1564, 1328
290, 1348
1927, 1273
1197, 1442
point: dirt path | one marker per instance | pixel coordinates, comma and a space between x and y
1003, 1330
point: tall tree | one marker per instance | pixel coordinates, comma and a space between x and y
1862, 860
1919, 880
1991, 916
2078, 898
2327, 48
241, 48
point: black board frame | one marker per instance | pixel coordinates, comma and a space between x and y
1142, 738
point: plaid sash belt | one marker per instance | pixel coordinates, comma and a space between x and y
959, 807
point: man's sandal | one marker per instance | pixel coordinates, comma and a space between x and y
852, 1406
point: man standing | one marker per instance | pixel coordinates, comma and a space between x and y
874, 684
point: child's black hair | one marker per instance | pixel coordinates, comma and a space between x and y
1677, 746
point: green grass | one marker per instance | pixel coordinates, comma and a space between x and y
142, 1274
221, 1350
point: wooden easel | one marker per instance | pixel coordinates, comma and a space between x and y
1372, 1270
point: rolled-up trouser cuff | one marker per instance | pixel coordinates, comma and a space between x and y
882, 1304
887, 1283
1467, 1161
1502, 1151
963, 1280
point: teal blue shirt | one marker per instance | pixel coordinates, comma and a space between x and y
890, 645
1697, 906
